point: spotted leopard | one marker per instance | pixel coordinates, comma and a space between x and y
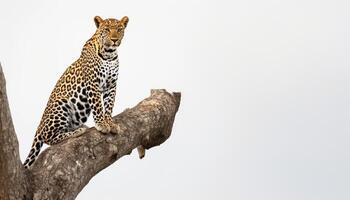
88, 85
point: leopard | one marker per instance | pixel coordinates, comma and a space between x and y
87, 86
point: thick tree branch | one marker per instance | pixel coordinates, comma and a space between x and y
11, 170
62, 170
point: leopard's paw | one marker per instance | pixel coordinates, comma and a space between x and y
103, 127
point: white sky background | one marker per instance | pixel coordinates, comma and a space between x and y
265, 110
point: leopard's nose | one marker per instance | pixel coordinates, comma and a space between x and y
114, 39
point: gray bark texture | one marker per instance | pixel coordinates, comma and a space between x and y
62, 170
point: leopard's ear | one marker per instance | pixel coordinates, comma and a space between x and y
98, 20
124, 21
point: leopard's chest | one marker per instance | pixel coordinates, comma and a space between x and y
106, 73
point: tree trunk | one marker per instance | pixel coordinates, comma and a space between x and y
62, 170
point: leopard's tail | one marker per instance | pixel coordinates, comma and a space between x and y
34, 152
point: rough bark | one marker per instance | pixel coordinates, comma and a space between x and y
62, 170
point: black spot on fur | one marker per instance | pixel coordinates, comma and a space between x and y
68, 107
30, 162
80, 106
31, 151
73, 100
64, 108
84, 92
115, 58
82, 98
77, 116
83, 119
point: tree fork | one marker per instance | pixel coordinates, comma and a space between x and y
61, 171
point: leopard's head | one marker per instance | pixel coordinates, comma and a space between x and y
109, 34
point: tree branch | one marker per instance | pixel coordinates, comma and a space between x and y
11, 170
62, 170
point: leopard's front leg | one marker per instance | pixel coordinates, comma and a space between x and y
103, 122
109, 96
